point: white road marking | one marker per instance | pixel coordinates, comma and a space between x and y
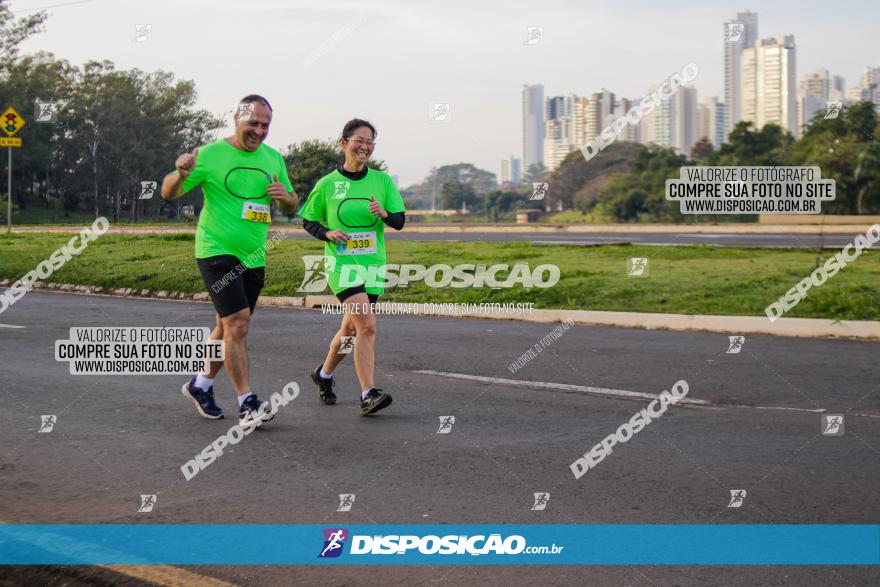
11, 326
565, 387
601, 391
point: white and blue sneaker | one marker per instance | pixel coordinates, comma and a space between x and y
202, 400
254, 412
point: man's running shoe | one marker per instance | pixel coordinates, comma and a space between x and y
325, 387
254, 412
203, 400
374, 401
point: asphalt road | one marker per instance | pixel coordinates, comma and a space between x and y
119, 437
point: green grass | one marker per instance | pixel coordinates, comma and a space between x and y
683, 280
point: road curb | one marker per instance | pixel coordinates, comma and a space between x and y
791, 327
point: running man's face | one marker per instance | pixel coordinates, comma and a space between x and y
252, 126
359, 146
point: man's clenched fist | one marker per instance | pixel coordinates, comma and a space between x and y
186, 162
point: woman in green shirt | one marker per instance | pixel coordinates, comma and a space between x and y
349, 209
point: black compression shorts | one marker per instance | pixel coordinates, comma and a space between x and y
347, 293
231, 285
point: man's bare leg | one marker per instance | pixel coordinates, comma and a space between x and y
212, 368
235, 329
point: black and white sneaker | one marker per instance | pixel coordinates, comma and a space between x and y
254, 412
325, 387
202, 400
374, 401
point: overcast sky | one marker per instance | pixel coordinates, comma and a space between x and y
407, 55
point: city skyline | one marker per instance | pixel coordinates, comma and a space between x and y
478, 63
762, 85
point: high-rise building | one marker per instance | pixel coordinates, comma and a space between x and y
814, 93
739, 33
511, 170
630, 132
702, 121
684, 135
768, 86
594, 113
710, 121
673, 123
533, 125
869, 83
838, 88
560, 137
515, 169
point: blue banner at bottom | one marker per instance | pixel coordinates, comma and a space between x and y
224, 544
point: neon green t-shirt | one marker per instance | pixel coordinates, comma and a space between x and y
342, 203
235, 219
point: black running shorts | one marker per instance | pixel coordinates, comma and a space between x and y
347, 293
231, 285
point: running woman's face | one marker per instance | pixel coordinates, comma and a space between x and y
252, 126
359, 146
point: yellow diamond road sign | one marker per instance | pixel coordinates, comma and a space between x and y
11, 121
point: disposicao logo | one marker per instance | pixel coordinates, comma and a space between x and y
334, 541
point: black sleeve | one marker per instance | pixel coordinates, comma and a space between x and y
395, 220
316, 229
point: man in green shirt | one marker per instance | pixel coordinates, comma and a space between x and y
240, 177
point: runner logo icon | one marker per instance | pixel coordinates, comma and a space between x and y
334, 542
315, 278
341, 189
346, 500
541, 500
737, 497
736, 344
47, 423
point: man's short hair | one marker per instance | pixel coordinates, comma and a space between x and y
251, 98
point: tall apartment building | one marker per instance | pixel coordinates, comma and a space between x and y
767, 83
815, 91
869, 86
674, 122
533, 125
505, 170
516, 171
739, 33
710, 121
684, 134
560, 137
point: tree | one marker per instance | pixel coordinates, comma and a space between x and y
14, 32
424, 193
576, 173
845, 150
455, 195
498, 202
536, 173
703, 149
747, 146
641, 193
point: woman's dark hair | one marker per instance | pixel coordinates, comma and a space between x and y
354, 124
251, 98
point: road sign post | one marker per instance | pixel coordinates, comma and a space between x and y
12, 122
